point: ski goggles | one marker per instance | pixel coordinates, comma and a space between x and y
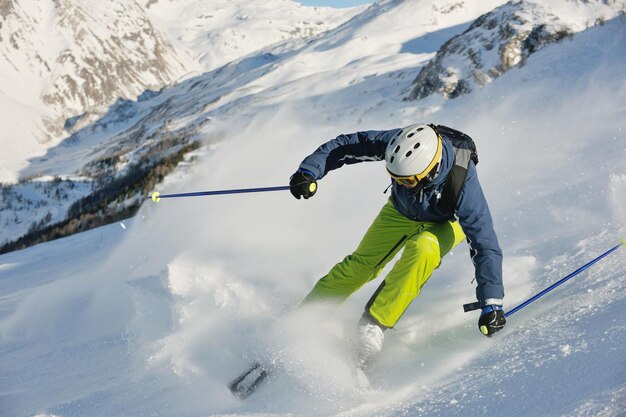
413, 181
410, 182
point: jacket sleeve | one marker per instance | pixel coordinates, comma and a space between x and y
475, 219
348, 149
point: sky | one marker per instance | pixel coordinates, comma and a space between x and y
334, 3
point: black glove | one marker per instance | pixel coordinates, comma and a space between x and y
302, 184
491, 320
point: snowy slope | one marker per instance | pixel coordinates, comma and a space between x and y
154, 316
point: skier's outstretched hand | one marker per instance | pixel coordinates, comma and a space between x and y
302, 184
491, 320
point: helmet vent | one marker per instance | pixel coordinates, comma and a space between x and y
417, 145
410, 135
392, 158
419, 129
408, 153
397, 149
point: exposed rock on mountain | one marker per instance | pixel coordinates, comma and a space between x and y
81, 55
501, 40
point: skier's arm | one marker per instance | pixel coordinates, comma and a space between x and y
475, 219
347, 149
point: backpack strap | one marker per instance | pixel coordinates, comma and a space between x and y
456, 179
464, 152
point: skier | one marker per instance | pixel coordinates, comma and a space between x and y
436, 202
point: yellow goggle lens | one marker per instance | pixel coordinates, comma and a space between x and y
408, 181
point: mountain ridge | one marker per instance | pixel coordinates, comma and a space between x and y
66, 59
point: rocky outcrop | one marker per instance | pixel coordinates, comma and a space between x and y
493, 44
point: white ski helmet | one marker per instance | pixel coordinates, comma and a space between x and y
414, 152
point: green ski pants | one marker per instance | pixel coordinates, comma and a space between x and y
424, 243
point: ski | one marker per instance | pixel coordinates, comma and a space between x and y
246, 383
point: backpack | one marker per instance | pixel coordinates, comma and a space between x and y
464, 152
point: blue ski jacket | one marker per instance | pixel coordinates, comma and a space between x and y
472, 211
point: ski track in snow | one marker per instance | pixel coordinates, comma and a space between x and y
154, 318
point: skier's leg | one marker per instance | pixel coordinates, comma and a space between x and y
422, 254
385, 237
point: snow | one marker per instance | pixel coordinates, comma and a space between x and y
153, 316
229, 30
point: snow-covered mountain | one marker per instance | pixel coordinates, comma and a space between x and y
62, 61
226, 30
154, 315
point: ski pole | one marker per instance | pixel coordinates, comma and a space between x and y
156, 196
561, 281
